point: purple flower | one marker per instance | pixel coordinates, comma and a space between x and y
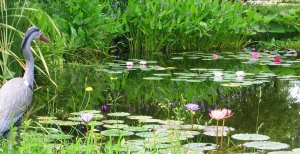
192, 107
116, 4
187, 14
223, 11
86, 117
104, 108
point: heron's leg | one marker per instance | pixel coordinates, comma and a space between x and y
18, 124
19, 136
10, 143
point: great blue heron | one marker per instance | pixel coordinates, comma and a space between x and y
16, 94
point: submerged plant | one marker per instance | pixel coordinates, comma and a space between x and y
192, 107
219, 114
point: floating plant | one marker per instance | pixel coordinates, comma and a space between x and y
181, 151
266, 145
136, 129
86, 111
151, 134
113, 121
149, 120
200, 146
138, 117
152, 78
253, 137
118, 114
116, 126
282, 152
46, 118
116, 132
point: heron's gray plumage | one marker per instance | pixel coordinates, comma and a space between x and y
18, 97
16, 94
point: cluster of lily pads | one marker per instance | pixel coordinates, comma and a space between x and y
147, 134
228, 78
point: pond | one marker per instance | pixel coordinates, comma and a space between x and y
146, 99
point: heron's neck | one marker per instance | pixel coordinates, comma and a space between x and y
29, 69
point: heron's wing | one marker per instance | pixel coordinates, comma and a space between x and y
15, 97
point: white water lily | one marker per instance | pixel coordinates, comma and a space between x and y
218, 74
218, 78
240, 73
239, 78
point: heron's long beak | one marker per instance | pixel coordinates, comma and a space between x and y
44, 38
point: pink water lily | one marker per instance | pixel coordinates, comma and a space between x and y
254, 55
220, 114
129, 64
215, 56
143, 64
277, 59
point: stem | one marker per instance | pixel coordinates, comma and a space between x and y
222, 133
217, 135
87, 101
192, 118
260, 94
87, 128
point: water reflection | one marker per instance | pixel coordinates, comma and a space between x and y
294, 91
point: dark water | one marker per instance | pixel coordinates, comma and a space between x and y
270, 108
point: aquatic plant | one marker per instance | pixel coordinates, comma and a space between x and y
143, 64
220, 114
129, 64
192, 107
215, 56
86, 119
254, 55
240, 73
276, 59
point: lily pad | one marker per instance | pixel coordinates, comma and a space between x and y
200, 146
266, 145
116, 132
137, 117
149, 120
86, 111
282, 152
113, 121
46, 118
116, 126
119, 114
167, 74
136, 129
152, 78
151, 134
254, 137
